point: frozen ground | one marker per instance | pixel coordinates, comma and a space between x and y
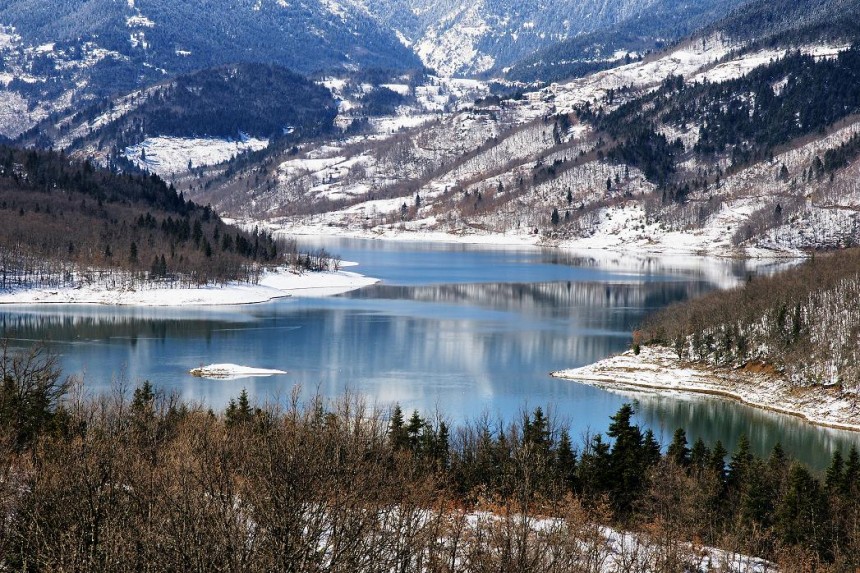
272, 285
658, 369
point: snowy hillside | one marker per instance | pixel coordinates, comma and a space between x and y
536, 168
456, 38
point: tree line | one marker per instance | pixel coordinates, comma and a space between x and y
148, 482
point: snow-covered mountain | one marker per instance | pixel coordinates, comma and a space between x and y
56, 56
65, 55
691, 149
457, 37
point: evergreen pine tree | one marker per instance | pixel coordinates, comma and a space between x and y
699, 455
239, 412
678, 451
740, 465
851, 477
835, 476
413, 430
565, 461
717, 461
627, 459
396, 429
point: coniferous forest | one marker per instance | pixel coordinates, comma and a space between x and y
60, 218
803, 322
142, 481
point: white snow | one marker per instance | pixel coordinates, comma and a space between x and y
273, 285
739, 67
167, 156
139, 21
229, 371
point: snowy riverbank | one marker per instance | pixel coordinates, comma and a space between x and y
620, 232
272, 285
657, 369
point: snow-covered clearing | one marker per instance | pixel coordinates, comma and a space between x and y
657, 369
742, 65
272, 285
232, 372
167, 156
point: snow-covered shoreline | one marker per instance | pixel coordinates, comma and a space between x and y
620, 241
657, 369
272, 285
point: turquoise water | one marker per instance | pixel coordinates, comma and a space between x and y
468, 331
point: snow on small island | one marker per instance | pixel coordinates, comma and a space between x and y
657, 369
276, 284
232, 372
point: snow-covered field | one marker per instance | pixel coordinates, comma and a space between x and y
658, 369
272, 285
166, 156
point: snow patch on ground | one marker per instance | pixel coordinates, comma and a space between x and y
741, 66
452, 49
657, 369
167, 156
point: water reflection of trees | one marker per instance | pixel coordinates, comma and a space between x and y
555, 299
715, 419
90, 324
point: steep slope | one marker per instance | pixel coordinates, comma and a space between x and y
645, 32
57, 56
182, 36
64, 223
455, 37
713, 146
792, 20
235, 108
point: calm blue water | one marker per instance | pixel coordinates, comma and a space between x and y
465, 330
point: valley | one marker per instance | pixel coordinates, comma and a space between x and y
430, 286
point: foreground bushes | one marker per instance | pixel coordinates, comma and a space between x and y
147, 483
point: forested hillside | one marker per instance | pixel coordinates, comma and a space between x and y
710, 146
803, 322
792, 21
742, 120
627, 40
267, 102
63, 223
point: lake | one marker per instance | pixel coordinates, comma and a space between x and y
466, 330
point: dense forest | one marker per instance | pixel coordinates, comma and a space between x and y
230, 101
64, 222
804, 322
147, 482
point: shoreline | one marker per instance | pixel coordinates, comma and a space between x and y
657, 369
272, 285
672, 244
